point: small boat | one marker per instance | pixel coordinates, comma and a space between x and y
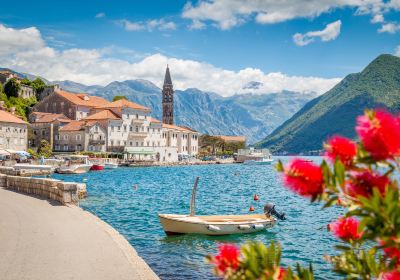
108, 164
97, 167
261, 161
76, 164
217, 224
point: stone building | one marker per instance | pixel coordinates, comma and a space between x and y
48, 90
26, 91
45, 126
74, 106
81, 136
13, 132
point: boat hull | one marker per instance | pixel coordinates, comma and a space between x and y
97, 167
74, 169
258, 162
215, 225
110, 165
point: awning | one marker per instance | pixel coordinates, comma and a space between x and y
139, 151
23, 153
4, 153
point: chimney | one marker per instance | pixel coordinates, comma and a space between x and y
86, 98
12, 110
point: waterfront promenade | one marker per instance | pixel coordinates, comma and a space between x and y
41, 239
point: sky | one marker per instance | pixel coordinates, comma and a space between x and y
214, 45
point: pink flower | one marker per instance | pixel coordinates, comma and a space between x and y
380, 134
392, 252
228, 257
304, 178
391, 275
341, 148
282, 273
346, 229
363, 182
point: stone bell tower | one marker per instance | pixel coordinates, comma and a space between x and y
168, 99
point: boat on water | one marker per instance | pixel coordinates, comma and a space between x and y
76, 164
174, 224
261, 161
97, 167
108, 164
254, 156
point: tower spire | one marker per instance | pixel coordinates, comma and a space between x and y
168, 98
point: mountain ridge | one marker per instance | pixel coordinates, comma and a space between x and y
335, 112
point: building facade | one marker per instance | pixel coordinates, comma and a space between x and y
73, 106
13, 132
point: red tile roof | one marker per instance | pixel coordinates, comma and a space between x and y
175, 127
153, 120
10, 118
103, 115
228, 138
83, 99
48, 118
122, 103
73, 126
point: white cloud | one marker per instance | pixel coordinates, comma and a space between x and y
397, 51
229, 13
150, 25
329, 33
389, 28
100, 15
24, 50
378, 18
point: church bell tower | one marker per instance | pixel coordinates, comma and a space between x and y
168, 99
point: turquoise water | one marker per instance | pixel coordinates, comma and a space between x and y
168, 189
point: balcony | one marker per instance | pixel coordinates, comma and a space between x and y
96, 142
138, 121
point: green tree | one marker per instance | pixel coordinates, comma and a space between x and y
119, 97
26, 81
38, 85
11, 88
45, 149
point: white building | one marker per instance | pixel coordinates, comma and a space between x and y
13, 132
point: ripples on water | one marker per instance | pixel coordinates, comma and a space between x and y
133, 213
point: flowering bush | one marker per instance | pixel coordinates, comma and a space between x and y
361, 177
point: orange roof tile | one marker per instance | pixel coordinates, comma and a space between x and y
153, 120
180, 128
79, 99
122, 103
103, 115
10, 118
232, 138
47, 118
73, 126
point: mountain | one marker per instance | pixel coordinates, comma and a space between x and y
335, 112
251, 115
246, 114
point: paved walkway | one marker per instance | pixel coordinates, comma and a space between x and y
43, 240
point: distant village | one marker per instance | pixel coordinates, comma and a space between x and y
75, 123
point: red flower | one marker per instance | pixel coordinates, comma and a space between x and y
363, 182
391, 275
380, 134
304, 178
282, 273
392, 252
228, 257
342, 148
346, 229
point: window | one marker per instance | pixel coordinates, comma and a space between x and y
137, 144
112, 128
65, 137
112, 143
130, 128
57, 147
125, 127
137, 116
137, 129
65, 147
78, 137
119, 128
130, 143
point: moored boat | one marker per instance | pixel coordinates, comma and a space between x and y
261, 161
76, 164
97, 167
217, 224
110, 165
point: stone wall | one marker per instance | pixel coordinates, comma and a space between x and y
63, 192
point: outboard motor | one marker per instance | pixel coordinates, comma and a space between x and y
269, 209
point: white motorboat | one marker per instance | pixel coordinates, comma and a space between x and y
261, 161
76, 164
217, 224
108, 164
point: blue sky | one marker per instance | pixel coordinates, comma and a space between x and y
218, 35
